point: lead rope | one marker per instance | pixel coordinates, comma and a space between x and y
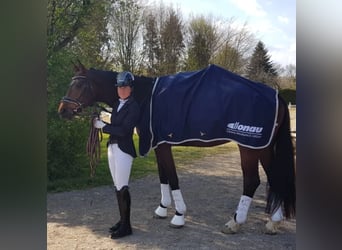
94, 145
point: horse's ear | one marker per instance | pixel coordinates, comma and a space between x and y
76, 68
81, 66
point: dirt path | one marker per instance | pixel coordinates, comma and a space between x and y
211, 189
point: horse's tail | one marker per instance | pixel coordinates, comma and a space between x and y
281, 176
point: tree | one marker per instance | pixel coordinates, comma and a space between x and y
125, 22
65, 18
261, 68
171, 43
229, 58
202, 42
290, 72
235, 48
151, 43
92, 39
163, 40
287, 79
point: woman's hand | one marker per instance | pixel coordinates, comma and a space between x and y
98, 123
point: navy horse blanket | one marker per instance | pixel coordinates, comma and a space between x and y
209, 105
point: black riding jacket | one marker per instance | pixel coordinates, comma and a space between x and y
122, 125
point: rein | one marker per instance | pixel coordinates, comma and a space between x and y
95, 137
94, 145
94, 141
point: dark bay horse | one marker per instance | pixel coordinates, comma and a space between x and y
91, 86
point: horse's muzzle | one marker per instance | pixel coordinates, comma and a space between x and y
66, 112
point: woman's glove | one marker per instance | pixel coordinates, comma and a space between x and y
98, 123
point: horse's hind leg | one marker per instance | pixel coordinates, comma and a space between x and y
251, 181
168, 178
276, 218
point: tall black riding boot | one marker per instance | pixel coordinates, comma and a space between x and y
117, 225
125, 211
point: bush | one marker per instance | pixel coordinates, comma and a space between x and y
289, 95
66, 140
66, 147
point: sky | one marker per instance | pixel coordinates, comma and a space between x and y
271, 21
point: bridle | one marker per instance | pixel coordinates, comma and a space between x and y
78, 104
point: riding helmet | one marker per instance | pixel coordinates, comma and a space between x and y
124, 78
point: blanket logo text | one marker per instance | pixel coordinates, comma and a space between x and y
244, 130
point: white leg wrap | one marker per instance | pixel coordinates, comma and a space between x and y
161, 212
177, 221
278, 215
242, 210
179, 202
165, 195
273, 224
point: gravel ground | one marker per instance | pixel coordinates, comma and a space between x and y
211, 189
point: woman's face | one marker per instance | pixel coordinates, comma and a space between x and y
124, 92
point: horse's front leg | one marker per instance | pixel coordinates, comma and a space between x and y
165, 201
169, 179
251, 181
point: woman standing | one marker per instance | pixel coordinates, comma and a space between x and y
121, 150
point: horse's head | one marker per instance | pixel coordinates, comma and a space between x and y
79, 95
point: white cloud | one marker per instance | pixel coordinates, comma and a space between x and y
283, 53
283, 19
262, 26
250, 7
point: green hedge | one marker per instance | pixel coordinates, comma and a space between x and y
66, 140
289, 95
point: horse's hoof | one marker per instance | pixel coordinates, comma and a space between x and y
231, 227
156, 216
175, 226
177, 221
272, 227
160, 213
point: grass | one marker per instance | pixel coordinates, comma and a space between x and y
142, 166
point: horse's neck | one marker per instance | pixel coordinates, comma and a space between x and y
104, 87
107, 95
105, 90
143, 89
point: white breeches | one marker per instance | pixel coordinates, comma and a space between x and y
120, 165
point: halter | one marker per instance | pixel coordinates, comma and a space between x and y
79, 105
